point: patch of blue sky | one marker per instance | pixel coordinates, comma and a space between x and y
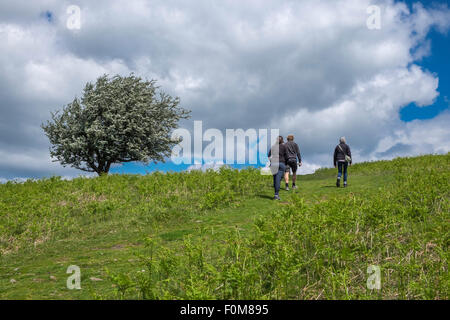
437, 62
47, 15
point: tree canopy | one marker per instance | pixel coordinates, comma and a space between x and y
117, 120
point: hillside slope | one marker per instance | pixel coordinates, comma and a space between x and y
219, 235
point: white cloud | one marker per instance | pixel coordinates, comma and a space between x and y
309, 67
417, 137
205, 167
15, 180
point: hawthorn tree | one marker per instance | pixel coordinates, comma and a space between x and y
117, 120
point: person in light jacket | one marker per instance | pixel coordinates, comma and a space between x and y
342, 158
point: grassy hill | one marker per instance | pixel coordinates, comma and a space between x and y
219, 235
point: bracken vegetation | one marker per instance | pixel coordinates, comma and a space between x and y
217, 235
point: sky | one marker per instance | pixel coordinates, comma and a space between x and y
311, 68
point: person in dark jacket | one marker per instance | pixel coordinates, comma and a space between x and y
277, 156
342, 158
293, 153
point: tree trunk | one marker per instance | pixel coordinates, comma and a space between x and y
103, 168
107, 167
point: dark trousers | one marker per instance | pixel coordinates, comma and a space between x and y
278, 176
342, 165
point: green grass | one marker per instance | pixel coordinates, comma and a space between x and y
220, 236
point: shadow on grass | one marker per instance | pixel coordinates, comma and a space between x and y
264, 196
